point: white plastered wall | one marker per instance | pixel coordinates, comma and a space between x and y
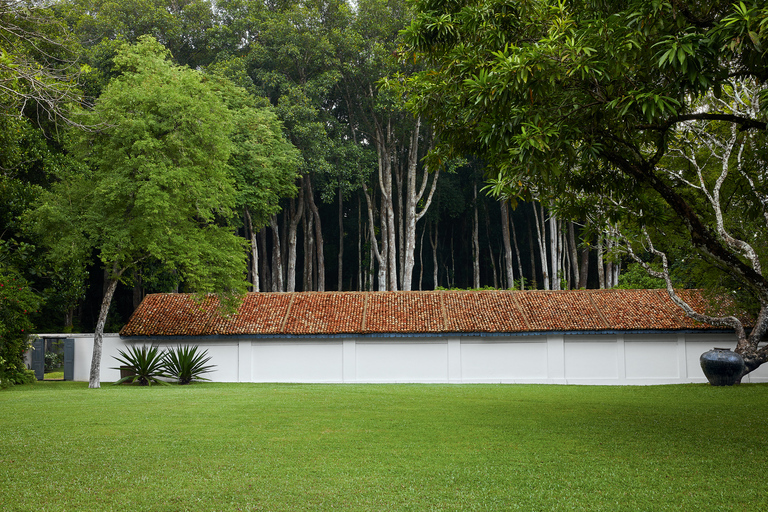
608, 359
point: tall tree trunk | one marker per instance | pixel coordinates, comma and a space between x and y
360, 226
584, 268
371, 261
433, 229
309, 250
388, 229
600, 265
377, 253
296, 212
554, 250
541, 233
319, 244
421, 254
266, 273
452, 280
137, 290
574, 254
475, 243
508, 264
98, 336
254, 251
413, 195
400, 220
277, 257
340, 261
490, 248
69, 319
517, 253
531, 251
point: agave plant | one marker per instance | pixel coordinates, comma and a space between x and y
146, 363
186, 364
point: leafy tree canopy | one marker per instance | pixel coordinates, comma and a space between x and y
605, 106
155, 181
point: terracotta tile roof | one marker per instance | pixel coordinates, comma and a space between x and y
326, 313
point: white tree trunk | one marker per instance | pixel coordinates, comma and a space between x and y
541, 234
554, 251
98, 335
508, 264
433, 228
600, 264
296, 213
574, 254
318, 239
340, 260
517, 253
413, 195
475, 244
254, 252
277, 259
379, 254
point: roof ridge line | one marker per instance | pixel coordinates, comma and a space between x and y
678, 312
599, 313
365, 312
284, 323
444, 311
520, 309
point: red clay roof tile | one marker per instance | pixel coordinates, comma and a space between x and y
307, 313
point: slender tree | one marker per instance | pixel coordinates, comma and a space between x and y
156, 183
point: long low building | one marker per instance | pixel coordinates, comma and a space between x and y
557, 337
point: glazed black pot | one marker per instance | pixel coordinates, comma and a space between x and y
721, 366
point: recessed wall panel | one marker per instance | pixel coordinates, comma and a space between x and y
297, 362
402, 362
587, 358
651, 359
503, 361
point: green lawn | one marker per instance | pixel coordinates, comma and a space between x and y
383, 447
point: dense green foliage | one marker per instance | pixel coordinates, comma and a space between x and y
384, 447
157, 159
646, 117
17, 303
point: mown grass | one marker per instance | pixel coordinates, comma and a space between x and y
383, 447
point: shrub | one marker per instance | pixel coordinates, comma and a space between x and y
52, 361
146, 363
17, 301
186, 364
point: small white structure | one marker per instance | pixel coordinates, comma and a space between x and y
612, 337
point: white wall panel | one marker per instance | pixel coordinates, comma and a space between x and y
586, 358
401, 361
290, 361
503, 361
651, 359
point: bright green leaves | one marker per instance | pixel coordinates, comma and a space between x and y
688, 55
159, 185
745, 25
652, 105
17, 303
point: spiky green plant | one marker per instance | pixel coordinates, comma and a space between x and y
147, 364
186, 364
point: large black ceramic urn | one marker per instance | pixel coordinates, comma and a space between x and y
721, 366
